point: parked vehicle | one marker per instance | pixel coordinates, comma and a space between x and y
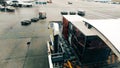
49, 1
64, 13
25, 22
69, 2
42, 15
34, 19
81, 12
44, 2
2, 8
18, 3
13, 3
72, 12
26, 4
3, 3
7, 9
10, 9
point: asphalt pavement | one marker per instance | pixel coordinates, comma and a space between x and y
14, 50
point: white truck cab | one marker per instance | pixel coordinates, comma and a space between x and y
19, 3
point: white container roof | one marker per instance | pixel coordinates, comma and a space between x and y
110, 28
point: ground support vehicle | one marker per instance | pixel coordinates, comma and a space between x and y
25, 22
69, 2
49, 1
26, 4
42, 15
64, 13
7, 9
10, 9
78, 44
18, 3
72, 13
3, 9
81, 12
34, 19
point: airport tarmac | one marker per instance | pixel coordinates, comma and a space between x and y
14, 51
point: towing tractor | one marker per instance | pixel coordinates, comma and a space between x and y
77, 42
42, 15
